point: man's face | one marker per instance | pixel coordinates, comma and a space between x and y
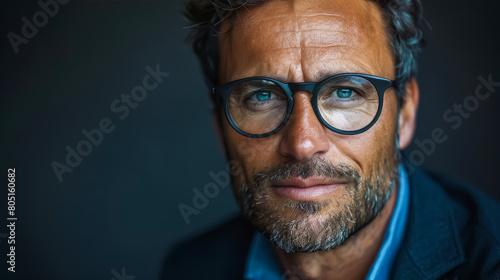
308, 188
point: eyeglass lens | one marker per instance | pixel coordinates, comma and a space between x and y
259, 106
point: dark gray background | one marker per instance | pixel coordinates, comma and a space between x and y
119, 207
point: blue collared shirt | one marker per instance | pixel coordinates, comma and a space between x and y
262, 263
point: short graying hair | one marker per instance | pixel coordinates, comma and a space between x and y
403, 26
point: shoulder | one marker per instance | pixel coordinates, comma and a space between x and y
477, 218
468, 217
220, 252
472, 209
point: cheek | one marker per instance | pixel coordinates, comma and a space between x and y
252, 155
375, 145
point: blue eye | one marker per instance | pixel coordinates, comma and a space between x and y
262, 95
344, 92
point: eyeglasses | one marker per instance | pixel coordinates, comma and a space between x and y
348, 104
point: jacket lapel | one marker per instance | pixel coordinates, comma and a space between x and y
431, 246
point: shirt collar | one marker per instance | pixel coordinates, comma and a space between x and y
262, 263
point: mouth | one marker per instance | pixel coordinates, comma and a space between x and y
306, 189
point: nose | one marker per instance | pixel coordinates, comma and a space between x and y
303, 134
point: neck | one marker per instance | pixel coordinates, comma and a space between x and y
351, 260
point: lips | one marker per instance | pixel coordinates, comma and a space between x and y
306, 189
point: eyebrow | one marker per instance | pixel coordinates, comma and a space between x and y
321, 75
318, 77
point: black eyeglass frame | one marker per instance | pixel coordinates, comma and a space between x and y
380, 84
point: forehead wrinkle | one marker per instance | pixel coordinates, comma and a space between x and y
305, 19
291, 34
298, 74
313, 38
336, 34
309, 47
316, 31
289, 30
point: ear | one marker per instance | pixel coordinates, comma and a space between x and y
408, 114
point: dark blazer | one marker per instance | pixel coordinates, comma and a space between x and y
452, 233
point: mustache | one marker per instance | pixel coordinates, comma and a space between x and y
313, 167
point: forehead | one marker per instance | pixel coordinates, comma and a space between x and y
303, 40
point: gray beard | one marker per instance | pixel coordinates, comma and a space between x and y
300, 226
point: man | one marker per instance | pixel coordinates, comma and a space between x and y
314, 102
